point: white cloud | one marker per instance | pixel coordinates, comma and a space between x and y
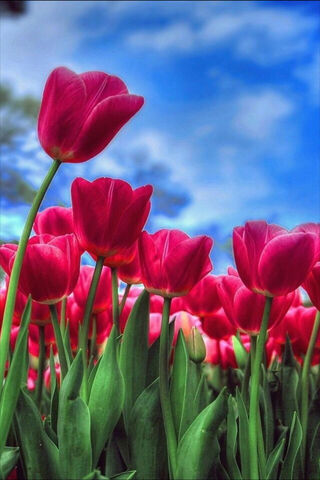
258, 114
178, 36
310, 75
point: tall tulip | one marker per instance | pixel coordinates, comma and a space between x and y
271, 260
80, 114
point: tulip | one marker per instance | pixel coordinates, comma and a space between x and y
109, 215
55, 221
50, 267
80, 114
311, 228
172, 263
203, 299
244, 308
196, 346
312, 285
130, 273
271, 260
103, 296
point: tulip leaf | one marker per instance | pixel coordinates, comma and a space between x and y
232, 433
134, 353
295, 439
128, 475
14, 378
199, 449
8, 460
54, 401
106, 397
153, 357
114, 462
240, 352
146, 435
289, 384
274, 459
243, 435
67, 345
267, 412
74, 432
313, 442
95, 475
39, 454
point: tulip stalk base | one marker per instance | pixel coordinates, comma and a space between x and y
115, 299
254, 392
164, 388
305, 383
15, 274
124, 298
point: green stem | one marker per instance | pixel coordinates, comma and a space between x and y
254, 393
63, 314
115, 299
41, 363
15, 273
84, 332
164, 388
305, 383
59, 341
124, 298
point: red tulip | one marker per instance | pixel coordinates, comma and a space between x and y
271, 260
47, 376
244, 308
203, 299
54, 220
312, 285
172, 262
109, 215
311, 228
218, 325
103, 297
80, 114
50, 266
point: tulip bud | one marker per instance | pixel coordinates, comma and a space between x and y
196, 346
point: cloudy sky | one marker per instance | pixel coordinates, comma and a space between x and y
230, 127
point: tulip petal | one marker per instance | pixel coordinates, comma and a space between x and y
7, 253
150, 262
61, 113
187, 263
54, 220
285, 262
104, 122
241, 256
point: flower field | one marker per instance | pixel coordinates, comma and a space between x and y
147, 365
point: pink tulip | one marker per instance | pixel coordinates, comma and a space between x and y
55, 221
80, 114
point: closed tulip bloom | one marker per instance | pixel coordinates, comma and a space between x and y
270, 260
109, 215
55, 221
311, 228
80, 114
244, 308
172, 263
103, 296
50, 267
203, 299
312, 285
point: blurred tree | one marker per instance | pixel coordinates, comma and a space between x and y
12, 7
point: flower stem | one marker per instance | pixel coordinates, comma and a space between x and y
305, 383
124, 298
164, 388
59, 341
83, 340
15, 273
63, 314
41, 362
115, 299
254, 392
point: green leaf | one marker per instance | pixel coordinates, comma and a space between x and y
231, 447
313, 439
289, 384
74, 433
128, 475
40, 455
153, 357
8, 460
134, 353
267, 417
199, 449
274, 459
147, 437
54, 394
67, 345
240, 352
106, 397
295, 439
95, 475
14, 378
243, 435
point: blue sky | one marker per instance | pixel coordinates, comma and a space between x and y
230, 127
